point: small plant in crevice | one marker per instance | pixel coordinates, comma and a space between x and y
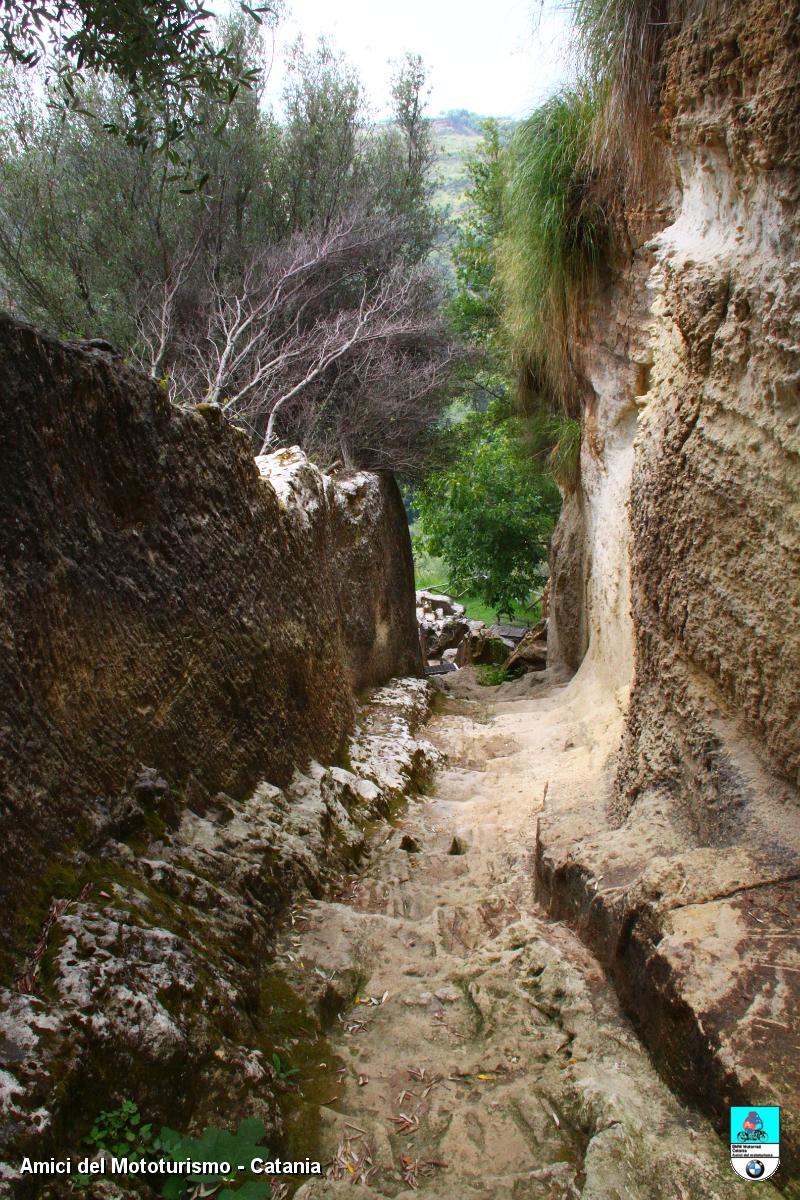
283, 1071
565, 457
491, 674
120, 1131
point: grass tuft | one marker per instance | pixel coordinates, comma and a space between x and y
620, 48
557, 239
565, 457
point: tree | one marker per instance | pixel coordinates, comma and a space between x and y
410, 96
157, 49
490, 507
476, 304
490, 513
314, 321
291, 289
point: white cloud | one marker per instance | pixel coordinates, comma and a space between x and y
497, 58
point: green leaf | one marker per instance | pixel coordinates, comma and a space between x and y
251, 1128
252, 1189
174, 1188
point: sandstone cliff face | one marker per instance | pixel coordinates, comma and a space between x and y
686, 876
166, 605
184, 634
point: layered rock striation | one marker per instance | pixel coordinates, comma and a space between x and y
190, 735
677, 585
167, 604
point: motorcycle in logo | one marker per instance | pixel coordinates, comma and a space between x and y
755, 1141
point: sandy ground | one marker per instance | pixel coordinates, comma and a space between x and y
485, 1054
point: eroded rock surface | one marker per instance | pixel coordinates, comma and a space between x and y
485, 1054
676, 581
153, 982
167, 604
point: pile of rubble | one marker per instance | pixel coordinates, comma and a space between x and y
449, 640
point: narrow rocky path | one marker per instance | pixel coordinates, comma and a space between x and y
484, 1054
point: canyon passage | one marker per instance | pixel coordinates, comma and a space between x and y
291, 865
485, 1053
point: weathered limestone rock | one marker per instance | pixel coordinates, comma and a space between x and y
531, 650
183, 634
442, 624
154, 976
167, 603
686, 535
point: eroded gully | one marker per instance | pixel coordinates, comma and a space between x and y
480, 1052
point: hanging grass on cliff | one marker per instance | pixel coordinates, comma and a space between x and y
574, 164
620, 49
556, 239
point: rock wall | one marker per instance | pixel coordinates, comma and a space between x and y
685, 875
166, 605
187, 636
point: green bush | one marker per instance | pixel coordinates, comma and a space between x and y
491, 674
490, 512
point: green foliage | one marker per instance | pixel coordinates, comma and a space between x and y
66, 185
163, 53
556, 239
491, 674
216, 1145
489, 510
282, 1069
475, 307
341, 204
490, 513
120, 1131
565, 457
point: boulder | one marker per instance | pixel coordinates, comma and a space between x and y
484, 648
432, 601
442, 624
509, 633
445, 635
531, 651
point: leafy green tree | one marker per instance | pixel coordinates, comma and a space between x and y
158, 50
490, 513
489, 510
476, 305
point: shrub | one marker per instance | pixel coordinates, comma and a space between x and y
491, 674
490, 513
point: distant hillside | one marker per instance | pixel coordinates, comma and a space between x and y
456, 135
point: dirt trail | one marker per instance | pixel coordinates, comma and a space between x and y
486, 1037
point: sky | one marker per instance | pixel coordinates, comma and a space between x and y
494, 57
